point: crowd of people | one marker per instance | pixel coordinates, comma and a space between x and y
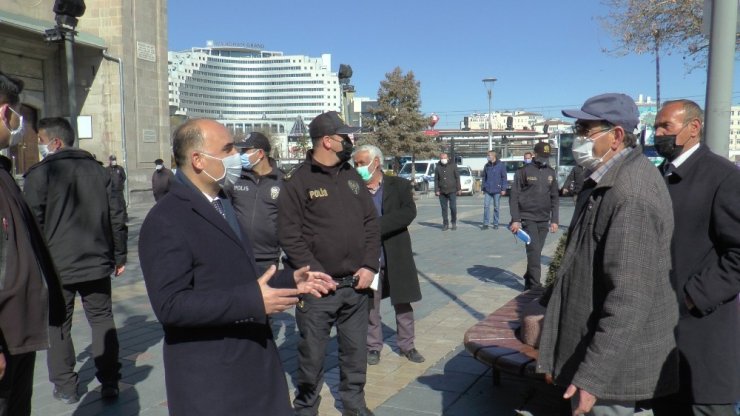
644, 311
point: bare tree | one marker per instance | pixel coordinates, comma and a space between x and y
658, 26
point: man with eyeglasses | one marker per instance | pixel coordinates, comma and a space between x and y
30, 291
608, 330
255, 196
705, 189
327, 219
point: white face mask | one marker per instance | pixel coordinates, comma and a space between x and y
158, 167
232, 169
44, 150
583, 152
443, 161
16, 136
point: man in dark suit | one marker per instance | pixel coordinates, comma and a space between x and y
394, 200
608, 329
199, 270
705, 189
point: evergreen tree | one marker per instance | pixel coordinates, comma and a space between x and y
397, 123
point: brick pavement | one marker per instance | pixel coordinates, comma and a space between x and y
464, 274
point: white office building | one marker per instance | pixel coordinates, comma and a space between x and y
248, 88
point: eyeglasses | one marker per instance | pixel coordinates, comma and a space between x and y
586, 131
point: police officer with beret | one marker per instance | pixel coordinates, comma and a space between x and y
327, 220
255, 196
534, 208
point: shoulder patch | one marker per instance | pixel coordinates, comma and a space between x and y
292, 172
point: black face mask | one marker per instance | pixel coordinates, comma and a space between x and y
346, 153
666, 146
541, 161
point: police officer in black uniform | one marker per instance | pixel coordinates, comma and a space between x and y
327, 220
255, 196
117, 183
534, 208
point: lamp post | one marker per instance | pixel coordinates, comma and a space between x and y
488, 82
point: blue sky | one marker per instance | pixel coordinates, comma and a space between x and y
547, 55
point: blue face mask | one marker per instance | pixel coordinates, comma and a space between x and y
246, 163
527, 161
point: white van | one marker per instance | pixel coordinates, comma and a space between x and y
423, 174
512, 164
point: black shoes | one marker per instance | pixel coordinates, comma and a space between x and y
66, 398
495, 227
484, 227
413, 355
109, 391
445, 227
454, 226
358, 412
373, 357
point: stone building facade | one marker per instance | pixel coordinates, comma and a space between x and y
112, 36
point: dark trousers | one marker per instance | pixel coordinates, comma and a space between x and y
404, 324
537, 231
96, 301
673, 405
16, 387
450, 200
315, 317
118, 203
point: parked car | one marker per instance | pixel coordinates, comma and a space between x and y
423, 179
467, 180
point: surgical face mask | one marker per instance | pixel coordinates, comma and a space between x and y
232, 169
158, 167
113, 163
527, 161
443, 161
44, 150
365, 172
666, 146
16, 136
583, 147
246, 163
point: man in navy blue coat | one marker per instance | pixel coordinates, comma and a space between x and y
219, 354
494, 183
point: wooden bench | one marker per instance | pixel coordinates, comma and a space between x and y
493, 340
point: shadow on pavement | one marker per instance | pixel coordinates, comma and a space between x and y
496, 275
466, 388
136, 336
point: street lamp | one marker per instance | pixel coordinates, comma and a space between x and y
488, 82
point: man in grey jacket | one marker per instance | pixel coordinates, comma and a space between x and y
608, 329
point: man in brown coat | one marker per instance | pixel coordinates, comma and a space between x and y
608, 329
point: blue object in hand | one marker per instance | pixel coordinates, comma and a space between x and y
522, 235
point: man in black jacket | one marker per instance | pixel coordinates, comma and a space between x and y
161, 179
447, 188
327, 220
255, 196
118, 184
27, 274
70, 196
705, 190
534, 208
